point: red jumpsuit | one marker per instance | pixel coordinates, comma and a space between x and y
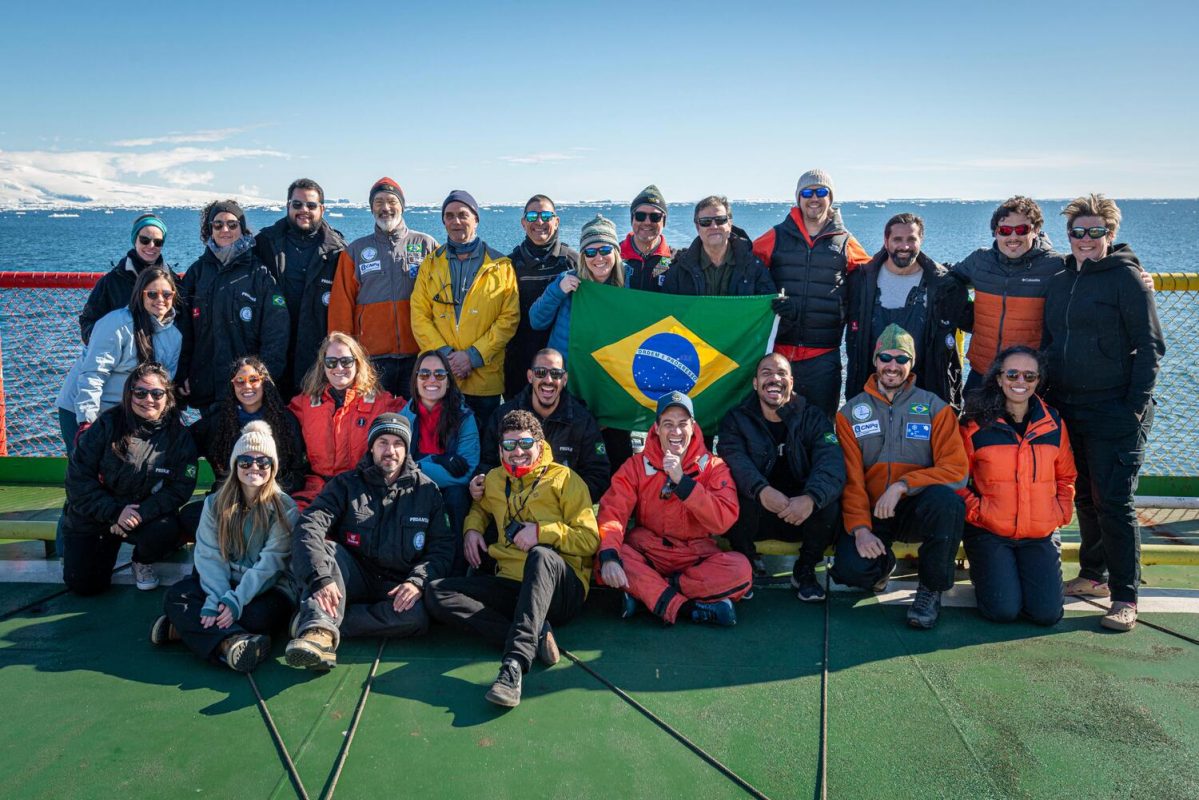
670, 556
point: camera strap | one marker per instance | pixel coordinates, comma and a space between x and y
512, 515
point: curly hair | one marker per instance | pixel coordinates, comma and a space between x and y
986, 404
521, 420
1019, 205
227, 429
451, 404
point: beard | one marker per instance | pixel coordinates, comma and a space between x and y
390, 224
903, 260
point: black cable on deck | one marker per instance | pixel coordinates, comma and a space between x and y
1148, 624
822, 776
335, 775
290, 765
668, 728
53, 595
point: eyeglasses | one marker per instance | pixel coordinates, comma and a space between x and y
1008, 230
221, 224
1098, 232
345, 362
142, 394
706, 222
296, 205
1014, 375
524, 443
541, 372
652, 216
602, 250
887, 358
435, 374
146, 240
262, 462
247, 380
819, 191
154, 294
544, 216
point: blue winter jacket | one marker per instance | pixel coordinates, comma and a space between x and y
553, 309
465, 444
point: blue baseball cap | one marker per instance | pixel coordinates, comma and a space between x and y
675, 399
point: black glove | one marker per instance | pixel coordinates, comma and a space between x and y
787, 308
455, 465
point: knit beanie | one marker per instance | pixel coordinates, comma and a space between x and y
255, 437
461, 196
599, 230
896, 338
815, 177
650, 196
387, 186
145, 221
395, 424
230, 206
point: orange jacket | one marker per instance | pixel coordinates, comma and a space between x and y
336, 437
914, 437
1020, 488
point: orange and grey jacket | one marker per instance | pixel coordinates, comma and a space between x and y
914, 437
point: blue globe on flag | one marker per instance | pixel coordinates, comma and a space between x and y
665, 362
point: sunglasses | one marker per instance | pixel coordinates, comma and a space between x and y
542, 372
142, 394
1014, 375
345, 362
602, 250
146, 240
154, 294
262, 462
252, 380
707, 222
887, 358
534, 216
652, 216
296, 205
1008, 230
820, 191
524, 443
435, 374
1098, 232
220, 224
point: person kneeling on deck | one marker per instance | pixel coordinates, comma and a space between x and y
683, 497
543, 556
904, 460
785, 461
365, 549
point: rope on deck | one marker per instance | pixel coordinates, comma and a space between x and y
822, 781
335, 775
290, 765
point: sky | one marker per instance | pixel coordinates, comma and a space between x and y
594, 100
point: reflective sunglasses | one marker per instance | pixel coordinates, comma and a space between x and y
262, 462
251, 380
652, 216
345, 362
1098, 232
887, 358
1008, 230
544, 216
154, 294
220, 224
435, 374
524, 442
296, 205
1014, 375
146, 240
602, 250
141, 393
553, 372
706, 222
819, 191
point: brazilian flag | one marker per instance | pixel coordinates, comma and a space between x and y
628, 348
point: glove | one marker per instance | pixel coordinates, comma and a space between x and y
787, 308
455, 465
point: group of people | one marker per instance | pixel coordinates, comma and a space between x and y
352, 511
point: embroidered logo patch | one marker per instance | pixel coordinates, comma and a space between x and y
871, 428
861, 411
414, 247
190, 471
370, 266
831, 438
246, 314
277, 300
918, 430
325, 298
600, 449
418, 541
369, 253
353, 539
918, 408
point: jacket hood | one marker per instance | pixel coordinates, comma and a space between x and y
1120, 255
739, 242
751, 405
931, 268
872, 388
832, 227
695, 451
1040, 246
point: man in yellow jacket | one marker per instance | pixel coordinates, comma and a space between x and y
465, 304
543, 555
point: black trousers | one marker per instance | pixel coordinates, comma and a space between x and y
90, 551
819, 380
183, 602
506, 612
814, 534
618, 444
1109, 449
934, 517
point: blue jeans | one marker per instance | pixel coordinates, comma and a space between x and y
1015, 577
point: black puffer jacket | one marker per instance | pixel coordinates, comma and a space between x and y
291, 473
111, 292
397, 532
534, 268
749, 273
158, 471
813, 453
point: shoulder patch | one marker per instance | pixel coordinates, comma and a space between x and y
831, 438
277, 300
190, 471
600, 449
861, 411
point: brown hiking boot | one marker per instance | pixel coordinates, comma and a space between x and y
162, 631
242, 652
312, 649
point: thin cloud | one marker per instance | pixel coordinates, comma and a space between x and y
183, 177
539, 158
1048, 162
196, 137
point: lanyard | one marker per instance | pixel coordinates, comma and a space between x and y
513, 515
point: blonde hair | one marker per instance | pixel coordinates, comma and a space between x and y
366, 380
1094, 205
617, 268
232, 513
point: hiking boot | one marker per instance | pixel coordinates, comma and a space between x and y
807, 588
144, 576
312, 649
1085, 587
628, 606
162, 631
506, 689
242, 652
547, 647
925, 608
719, 613
1121, 616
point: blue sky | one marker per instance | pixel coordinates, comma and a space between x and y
594, 100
